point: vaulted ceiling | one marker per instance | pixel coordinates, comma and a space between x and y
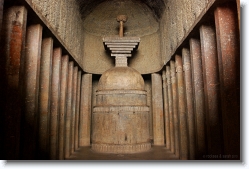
156, 6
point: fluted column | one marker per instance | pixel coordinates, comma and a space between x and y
30, 90
44, 98
183, 128
166, 111
157, 109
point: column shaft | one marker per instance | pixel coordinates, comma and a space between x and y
54, 109
12, 52
68, 109
183, 128
229, 72
171, 116
211, 89
238, 10
189, 100
44, 98
74, 97
30, 90
62, 106
147, 86
157, 109
77, 111
85, 110
166, 111
174, 103
198, 92
2, 154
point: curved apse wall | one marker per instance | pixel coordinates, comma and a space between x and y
102, 22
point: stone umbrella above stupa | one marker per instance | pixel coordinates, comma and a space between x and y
121, 115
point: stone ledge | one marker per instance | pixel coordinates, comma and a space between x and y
122, 109
105, 92
124, 149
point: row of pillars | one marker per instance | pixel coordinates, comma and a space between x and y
45, 96
201, 93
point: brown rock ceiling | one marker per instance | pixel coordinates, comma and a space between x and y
87, 6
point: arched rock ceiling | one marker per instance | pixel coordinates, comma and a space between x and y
102, 19
156, 6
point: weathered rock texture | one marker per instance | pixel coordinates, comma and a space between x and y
64, 20
80, 25
178, 20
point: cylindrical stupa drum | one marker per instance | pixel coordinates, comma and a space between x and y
121, 117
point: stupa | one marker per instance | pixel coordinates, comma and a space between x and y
120, 120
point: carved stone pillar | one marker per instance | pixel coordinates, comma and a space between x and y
74, 97
211, 89
30, 90
62, 106
166, 111
228, 44
44, 98
2, 147
12, 52
77, 111
85, 110
183, 128
171, 115
175, 110
68, 109
238, 10
198, 91
157, 109
54, 107
189, 100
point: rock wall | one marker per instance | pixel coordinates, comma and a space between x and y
63, 18
177, 22
160, 34
141, 22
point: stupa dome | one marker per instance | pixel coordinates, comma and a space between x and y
121, 78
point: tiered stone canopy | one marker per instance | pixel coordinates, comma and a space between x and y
121, 48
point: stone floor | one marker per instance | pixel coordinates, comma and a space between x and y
156, 153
